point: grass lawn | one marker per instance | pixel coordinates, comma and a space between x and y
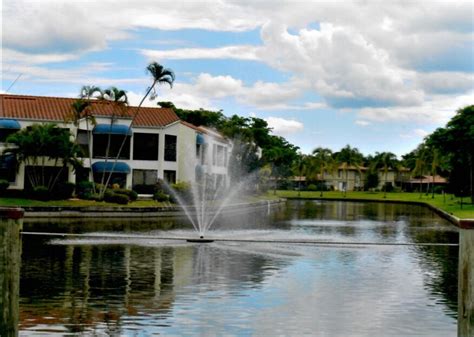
449, 203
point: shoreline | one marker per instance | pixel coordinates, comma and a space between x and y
458, 222
78, 212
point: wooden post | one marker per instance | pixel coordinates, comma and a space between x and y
10, 259
466, 283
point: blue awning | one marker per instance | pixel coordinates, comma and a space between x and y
200, 139
12, 124
109, 166
114, 129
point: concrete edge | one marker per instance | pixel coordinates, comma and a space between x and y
13, 213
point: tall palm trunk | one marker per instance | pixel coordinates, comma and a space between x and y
125, 137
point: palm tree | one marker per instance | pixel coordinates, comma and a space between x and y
119, 99
160, 75
81, 110
348, 158
299, 168
324, 162
385, 161
420, 164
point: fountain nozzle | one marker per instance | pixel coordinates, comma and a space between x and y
200, 240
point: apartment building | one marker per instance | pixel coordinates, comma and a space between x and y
155, 145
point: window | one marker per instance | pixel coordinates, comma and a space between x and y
145, 146
83, 142
219, 155
4, 133
100, 146
115, 178
144, 177
170, 147
170, 176
8, 167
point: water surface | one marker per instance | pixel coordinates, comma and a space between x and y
122, 284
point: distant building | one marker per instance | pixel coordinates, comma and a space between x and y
158, 145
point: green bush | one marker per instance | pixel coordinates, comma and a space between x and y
3, 185
439, 189
108, 195
132, 195
84, 190
312, 187
181, 186
161, 196
63, 190
116, 198
40, 193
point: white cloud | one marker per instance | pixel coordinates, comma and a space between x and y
247, 53
362, 122
415, 133
445, 82
360, 55
436, 111
284, 127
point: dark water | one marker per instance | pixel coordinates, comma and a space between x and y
144, 286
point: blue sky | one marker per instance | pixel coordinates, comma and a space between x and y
378, 77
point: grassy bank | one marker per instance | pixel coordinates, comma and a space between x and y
448, 203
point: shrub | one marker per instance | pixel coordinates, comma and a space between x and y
3, 185
108, 195
439, 189
84, 190
161, 196
40, 193
63, 190
312, 187
132, 195
116, 198
181, 187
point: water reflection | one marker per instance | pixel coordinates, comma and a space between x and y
174, 288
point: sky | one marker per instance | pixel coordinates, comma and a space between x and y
378, 75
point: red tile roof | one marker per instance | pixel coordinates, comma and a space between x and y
57, 108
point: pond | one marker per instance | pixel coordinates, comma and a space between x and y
305, 267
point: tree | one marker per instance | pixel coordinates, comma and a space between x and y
119, 99
349, 158
385, 161
160, 75
456, 143
43, 146
324, 162
420, 164
300, 166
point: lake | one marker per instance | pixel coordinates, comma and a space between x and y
305, 267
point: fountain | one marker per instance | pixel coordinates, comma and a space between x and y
205, 201
207, 196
